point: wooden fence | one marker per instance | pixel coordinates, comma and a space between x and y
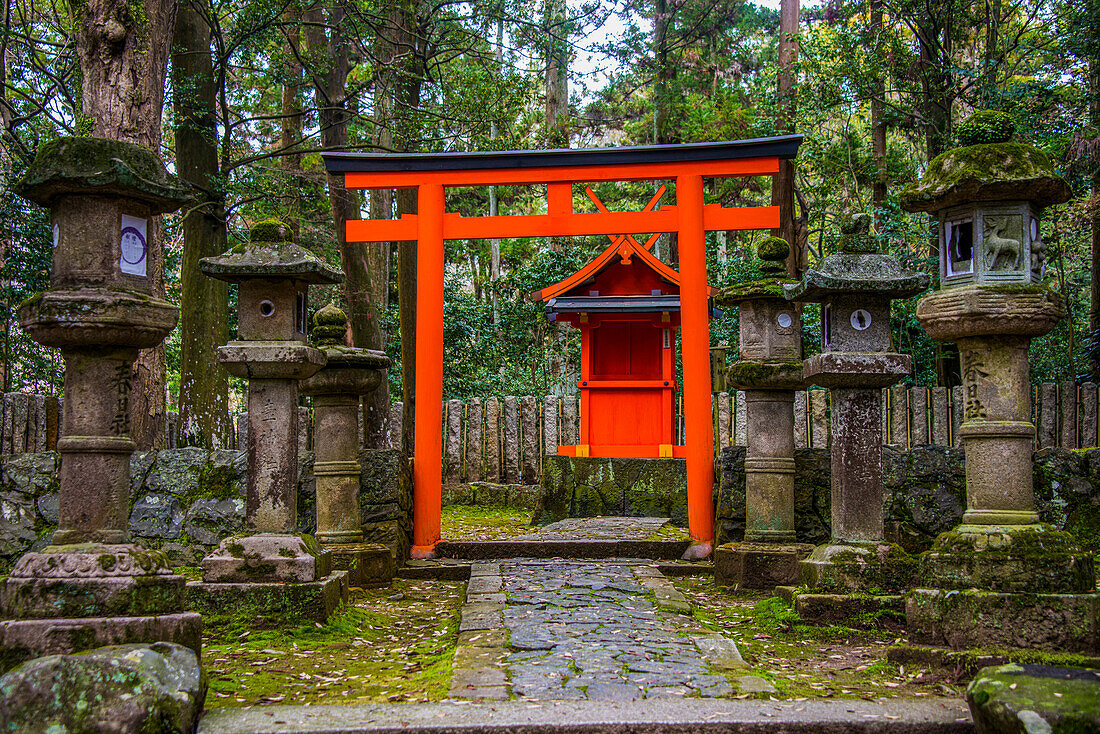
504, 439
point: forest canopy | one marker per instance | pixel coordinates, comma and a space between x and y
240, 99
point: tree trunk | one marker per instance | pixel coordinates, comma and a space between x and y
204, 304
783, 186
408, 74
123, 60
291, 118
556, 39
878, 124
1094, 113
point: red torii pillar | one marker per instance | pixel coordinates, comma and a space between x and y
430, 173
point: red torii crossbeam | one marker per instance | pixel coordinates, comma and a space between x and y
691, 218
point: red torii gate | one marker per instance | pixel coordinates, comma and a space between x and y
691, 218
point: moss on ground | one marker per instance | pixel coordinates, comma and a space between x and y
468, 522
806, 661
386, 645
668, 531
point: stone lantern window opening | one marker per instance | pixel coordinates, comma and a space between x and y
960, 247
827, 326
132, 245
990, 244
784, 320
267, 308
300, 310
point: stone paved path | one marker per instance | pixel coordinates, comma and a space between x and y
581, 630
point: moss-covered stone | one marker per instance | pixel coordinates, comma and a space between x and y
275, 259
770, 375
134, 688
984, 127
591, 487
1032, 698
1008, 171
773, 251
1027, 559
863, 568
85, 165
766, 288
269, 230
855, 234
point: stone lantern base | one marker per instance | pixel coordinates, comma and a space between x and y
758, 565
858, 568
368, 565
1012, 586
70, 598
270, 576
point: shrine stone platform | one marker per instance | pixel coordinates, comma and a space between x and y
591, 486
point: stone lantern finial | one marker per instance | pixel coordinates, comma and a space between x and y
855, 234
773, 253
330, 324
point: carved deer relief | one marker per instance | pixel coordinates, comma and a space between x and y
1001, 253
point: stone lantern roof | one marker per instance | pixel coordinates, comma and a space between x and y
857, 268
988, 166
98, 166
773, 253
269, 254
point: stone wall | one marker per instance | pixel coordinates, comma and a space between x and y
185, 501
925, 493
594, 487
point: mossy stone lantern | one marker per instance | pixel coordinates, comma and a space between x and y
855, 287
769, 371
989, 579
348, 374
271, 351
91, 586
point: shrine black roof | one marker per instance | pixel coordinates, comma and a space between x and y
784, 146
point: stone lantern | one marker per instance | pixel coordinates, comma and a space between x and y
991, 580
855, 287
91, 586
348, 374
769, 371
271, 352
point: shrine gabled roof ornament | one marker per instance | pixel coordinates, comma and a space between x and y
622, 249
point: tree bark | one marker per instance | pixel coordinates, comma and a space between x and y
878, 124
204, 304
783, 185
557, 74
290, 133
1094, 113
123, 60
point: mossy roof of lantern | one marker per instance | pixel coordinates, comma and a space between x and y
871, 273
99, 166
269, 254
773, 252
1006, 171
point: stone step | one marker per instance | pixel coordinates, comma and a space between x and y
949, 716
664, 550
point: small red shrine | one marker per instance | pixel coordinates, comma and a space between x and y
626, 303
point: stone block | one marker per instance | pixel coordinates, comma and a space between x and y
968, 618
847, 609
1024, 699
1027, 559
25, 639
268, 603
368, 565
267, 558
124, 688
758, 565
858, 568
